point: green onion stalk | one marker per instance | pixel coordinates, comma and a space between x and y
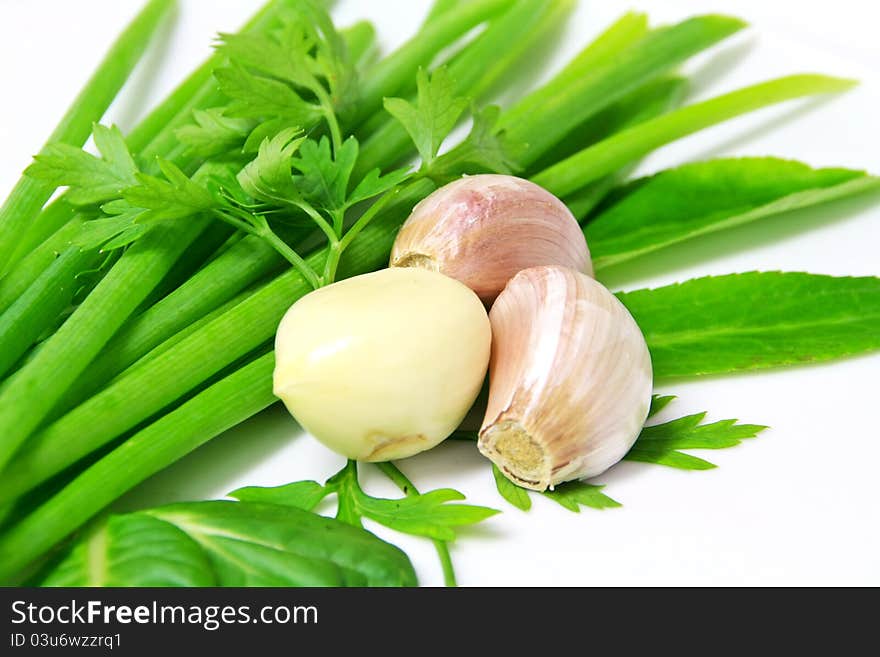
70, 349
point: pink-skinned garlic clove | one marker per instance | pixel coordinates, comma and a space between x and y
570, 379
483, 229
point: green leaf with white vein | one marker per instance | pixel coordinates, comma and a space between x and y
737, 322
705, 197
224, 543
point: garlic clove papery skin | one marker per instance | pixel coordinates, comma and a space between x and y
570, 379
483, 229
385, 365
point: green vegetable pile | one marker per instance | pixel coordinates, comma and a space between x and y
138, 309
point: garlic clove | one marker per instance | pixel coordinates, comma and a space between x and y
569, 379
483, 229
384, 365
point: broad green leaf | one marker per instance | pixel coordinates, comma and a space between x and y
615, 152
704, 197
434, 114
631, 66
91, 179
303, 495
660, 443
514, 494
737, 322
224, 543
575, 494
134, 549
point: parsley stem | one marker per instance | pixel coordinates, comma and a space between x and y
29, 195
371, 213
290, 255
403, 483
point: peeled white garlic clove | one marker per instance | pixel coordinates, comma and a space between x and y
569, 379
482, 230
384, 365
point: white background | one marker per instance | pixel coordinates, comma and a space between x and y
796, 506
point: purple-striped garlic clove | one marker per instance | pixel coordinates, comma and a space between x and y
483, 229
569, 379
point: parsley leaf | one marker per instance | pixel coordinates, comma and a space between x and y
575, 494
483, 150
305, 495
268, 176
213, 133
292, 76
426, 514
91, 179
175, 197
434, 115
118, 229
325, 175
374, 184
514, 494
660, 443
658, 403
255, 97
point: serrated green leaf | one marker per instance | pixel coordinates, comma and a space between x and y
214, 133
434, 114
658, 403
575, 494
483, 150
514, 494
660, 443
373, 184
705, 197
90, 179
269, 176
258, 98
176, 197
427, 514
738, 322
225, 543
109, 233
305, 495
325, 175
